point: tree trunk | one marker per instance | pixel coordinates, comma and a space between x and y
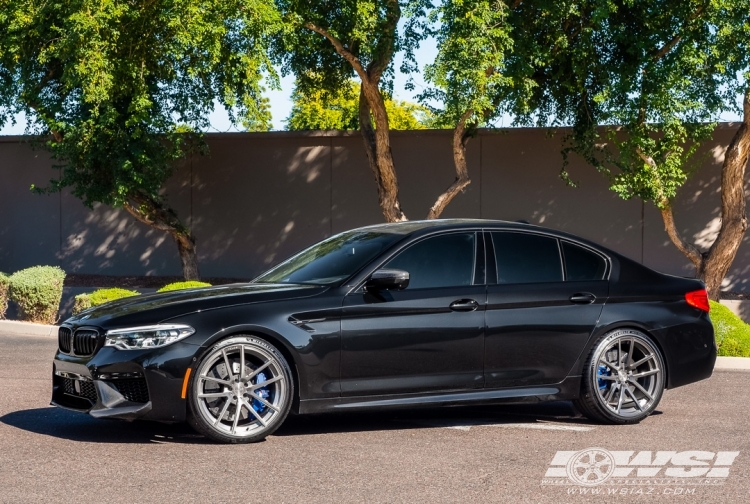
713, 265
378, 147
155, 214
461, 137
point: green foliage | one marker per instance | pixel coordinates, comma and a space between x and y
469, 71
117, 84
367, 29
732, 334
37, 292
339, 110
640, 82
4, 287
81, 303
100, 297
183, 285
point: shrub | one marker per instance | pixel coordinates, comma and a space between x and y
183, 285
4, 285
99, 297
37, 292
82, 302
732, 334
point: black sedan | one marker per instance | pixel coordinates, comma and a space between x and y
412, 314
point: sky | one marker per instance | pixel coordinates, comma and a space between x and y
281, 103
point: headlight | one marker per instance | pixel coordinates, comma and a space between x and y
134, 338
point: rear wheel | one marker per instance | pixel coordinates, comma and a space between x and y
241, 391
623, 379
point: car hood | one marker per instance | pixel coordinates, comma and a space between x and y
154, 308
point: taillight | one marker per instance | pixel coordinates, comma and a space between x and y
698, 299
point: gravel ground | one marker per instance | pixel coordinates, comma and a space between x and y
487, 454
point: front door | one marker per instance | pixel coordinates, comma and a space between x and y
429, 336
542, 309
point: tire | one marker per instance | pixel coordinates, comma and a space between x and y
623, 378
228, 402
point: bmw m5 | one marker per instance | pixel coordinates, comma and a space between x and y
444, 312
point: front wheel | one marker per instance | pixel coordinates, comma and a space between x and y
623, 378
241, 391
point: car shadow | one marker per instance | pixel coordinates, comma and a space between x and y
74, 426
64, 424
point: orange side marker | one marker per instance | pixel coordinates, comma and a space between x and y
185, 383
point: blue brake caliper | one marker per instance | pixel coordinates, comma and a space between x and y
603, 371
261, 392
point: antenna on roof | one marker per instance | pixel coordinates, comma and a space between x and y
523, 221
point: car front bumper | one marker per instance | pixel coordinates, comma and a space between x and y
124, 384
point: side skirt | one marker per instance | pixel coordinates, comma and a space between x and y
565, 390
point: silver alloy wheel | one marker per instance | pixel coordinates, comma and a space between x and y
628, 373
241, 389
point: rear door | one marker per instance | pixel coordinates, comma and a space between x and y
429, 336
543, 302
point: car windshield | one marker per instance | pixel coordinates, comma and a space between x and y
331, 260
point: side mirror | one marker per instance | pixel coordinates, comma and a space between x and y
388, 279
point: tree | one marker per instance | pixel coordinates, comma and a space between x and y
642, 84
122, 89
339, 110
330, 42
469, 76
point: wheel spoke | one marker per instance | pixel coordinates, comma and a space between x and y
255, 413
215, 394
217, 380
619, 401
258, 370
611, 394
226, 363
242, 362
608, 364
263, 401
619, 352
640, 387
645, 373
223, 412
630, 353
263, 384
237, 413
642, 361
635, 400
607, 377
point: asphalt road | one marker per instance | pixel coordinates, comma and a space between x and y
487, 454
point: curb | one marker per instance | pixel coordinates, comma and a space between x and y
15, 328
732, 363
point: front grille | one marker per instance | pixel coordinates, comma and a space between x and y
84, 342
134, 390
64, 337
86, 389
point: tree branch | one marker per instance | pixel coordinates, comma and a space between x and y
668, 46
378, 65
460, 138
340, 48
690, 250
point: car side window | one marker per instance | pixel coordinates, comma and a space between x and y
526, 258
582, 264
441, 261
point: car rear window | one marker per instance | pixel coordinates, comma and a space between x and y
526, 258
582, 264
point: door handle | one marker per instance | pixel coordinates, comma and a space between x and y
464, 305
582, 298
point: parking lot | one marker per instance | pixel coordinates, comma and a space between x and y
480, 454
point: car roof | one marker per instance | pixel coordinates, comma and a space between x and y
425, 226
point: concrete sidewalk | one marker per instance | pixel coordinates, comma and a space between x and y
16, 328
